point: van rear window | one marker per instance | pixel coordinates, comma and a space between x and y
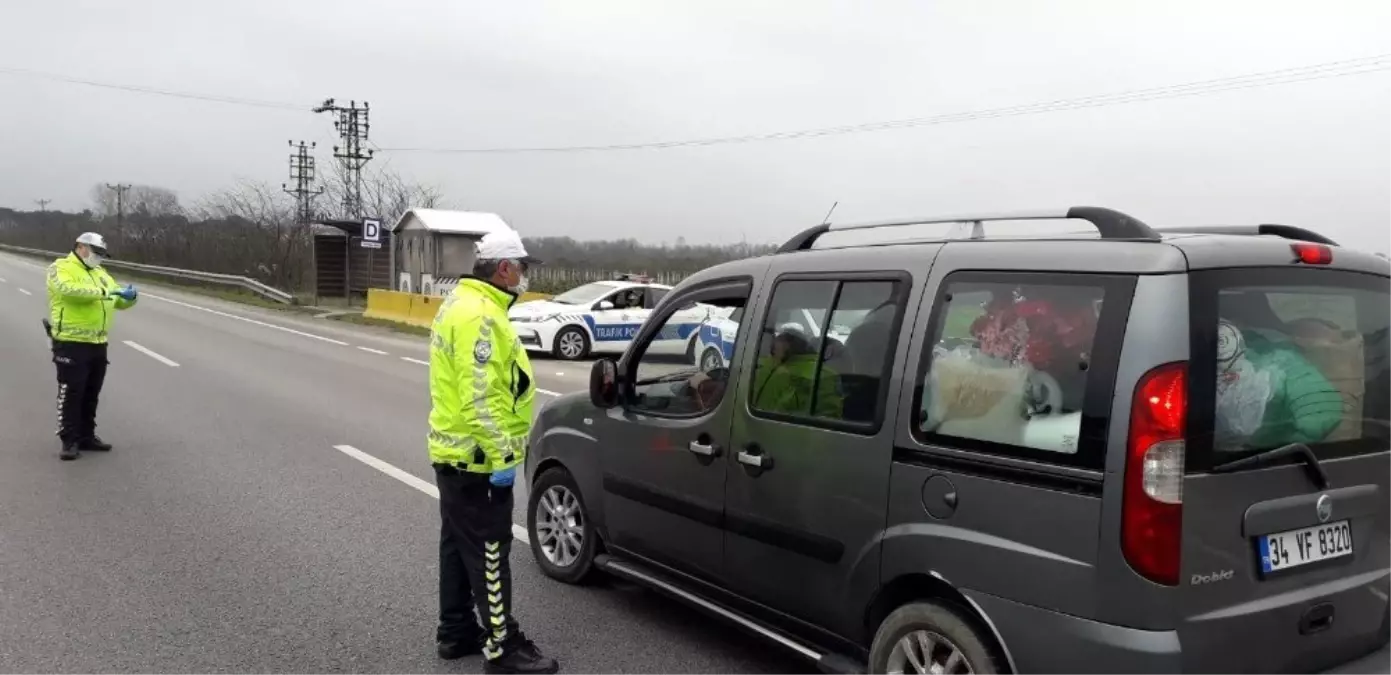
1289, 356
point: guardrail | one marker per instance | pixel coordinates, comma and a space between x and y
245, 283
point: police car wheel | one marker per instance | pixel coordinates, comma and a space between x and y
931, 637
563, 541
710, 360
571, 344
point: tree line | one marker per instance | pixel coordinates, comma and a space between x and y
250, 229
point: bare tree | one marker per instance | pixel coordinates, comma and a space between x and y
385, 194
139, 199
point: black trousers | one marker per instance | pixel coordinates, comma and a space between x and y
475, 570
81, 373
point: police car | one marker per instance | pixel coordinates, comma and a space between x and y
714, 341
602, 317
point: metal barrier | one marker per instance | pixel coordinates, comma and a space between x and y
192, 275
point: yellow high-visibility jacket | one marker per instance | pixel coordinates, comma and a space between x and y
481, 382
80, 305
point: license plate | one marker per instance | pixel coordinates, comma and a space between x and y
1293, 548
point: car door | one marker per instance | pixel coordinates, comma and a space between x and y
664, 446
805, 494
613, 322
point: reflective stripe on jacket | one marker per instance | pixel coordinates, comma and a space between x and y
481, 383
786, 387
80, 304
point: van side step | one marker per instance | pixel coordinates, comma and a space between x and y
626, 569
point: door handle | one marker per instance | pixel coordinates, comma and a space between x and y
759, 461
704, 449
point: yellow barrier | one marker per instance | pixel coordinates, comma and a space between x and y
413, 308
423, 308
388, 305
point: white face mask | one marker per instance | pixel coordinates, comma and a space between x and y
93, 260
522, 285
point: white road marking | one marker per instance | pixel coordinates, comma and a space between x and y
250, 321
412, 480
407, 358
547, 392
561, 374
148, 352
25, 292
369, 350
2, 280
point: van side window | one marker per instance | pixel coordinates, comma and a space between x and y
825, 350
1010, 356
665, 380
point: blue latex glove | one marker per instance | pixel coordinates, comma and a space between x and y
128, 293
504, 478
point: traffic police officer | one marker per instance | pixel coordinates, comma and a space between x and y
82, 299
481, 390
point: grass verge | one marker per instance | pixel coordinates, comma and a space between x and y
359, 319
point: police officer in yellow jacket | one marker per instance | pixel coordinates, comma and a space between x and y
82, 301
481, 390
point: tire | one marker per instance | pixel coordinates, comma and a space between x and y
554, 485
711, 359
571, 339
948, 631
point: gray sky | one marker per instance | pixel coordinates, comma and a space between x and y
453, 73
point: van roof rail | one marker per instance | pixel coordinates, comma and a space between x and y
1111, 224
1285, 231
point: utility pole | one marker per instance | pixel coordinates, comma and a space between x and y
43, 204
302, 173
352, 125
120, 202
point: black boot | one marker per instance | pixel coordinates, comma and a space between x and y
450, 649
95, 444
69, 452
524, 658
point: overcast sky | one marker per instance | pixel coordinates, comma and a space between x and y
463, 74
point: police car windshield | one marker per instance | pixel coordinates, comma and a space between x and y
585, 294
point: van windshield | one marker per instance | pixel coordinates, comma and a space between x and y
1289, 356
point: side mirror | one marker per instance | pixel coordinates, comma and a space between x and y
603, 384
604, 304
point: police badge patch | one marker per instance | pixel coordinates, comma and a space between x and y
482, 351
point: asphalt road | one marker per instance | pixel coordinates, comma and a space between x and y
249, 519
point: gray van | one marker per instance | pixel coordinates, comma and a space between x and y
1154, 450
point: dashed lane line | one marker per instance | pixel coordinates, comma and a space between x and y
25, 292
412, 360
412, 480
151, 353
369, 350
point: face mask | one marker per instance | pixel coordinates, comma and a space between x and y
93, 260
522, 285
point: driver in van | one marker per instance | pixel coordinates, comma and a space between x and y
783, 380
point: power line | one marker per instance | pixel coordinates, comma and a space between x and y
302, 172
352, 125
1265, 79
120, 191
43, 203
212, 98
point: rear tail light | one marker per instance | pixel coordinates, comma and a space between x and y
1312, 254
1152, 508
